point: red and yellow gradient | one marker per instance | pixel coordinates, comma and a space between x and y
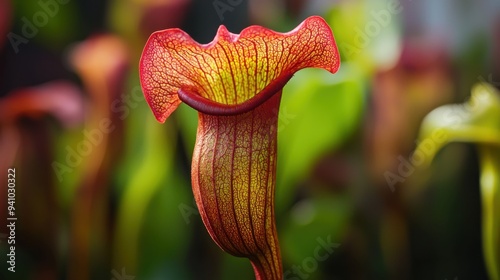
235, 83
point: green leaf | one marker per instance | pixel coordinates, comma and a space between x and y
314, 230
318, 113
150, 199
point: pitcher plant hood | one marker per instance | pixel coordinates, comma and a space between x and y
235, 83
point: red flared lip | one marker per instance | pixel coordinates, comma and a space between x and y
202, 104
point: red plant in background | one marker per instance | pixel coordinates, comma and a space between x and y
5, 18
235, 82
102, 63
27, 116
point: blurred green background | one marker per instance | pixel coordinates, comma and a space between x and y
103, 190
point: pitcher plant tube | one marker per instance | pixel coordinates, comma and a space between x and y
235, 83
475, 121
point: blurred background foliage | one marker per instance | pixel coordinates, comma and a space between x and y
103, 190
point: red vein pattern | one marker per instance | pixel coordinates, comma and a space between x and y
233, 68
233, 176
235, 82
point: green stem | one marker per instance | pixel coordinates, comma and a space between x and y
490, 195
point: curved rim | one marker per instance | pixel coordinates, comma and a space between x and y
210, 107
